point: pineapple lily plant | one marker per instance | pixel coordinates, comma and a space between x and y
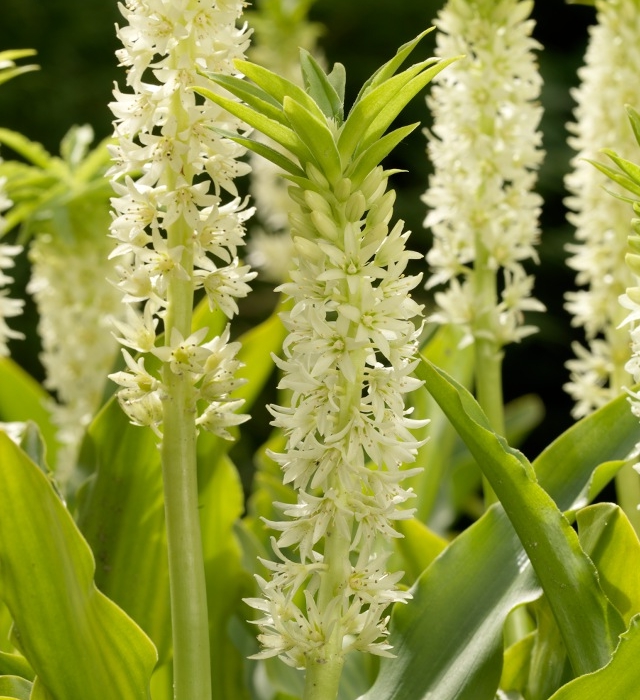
134, 561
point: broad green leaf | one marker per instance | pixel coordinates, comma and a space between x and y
46, 581
618, 679
609, 539
589, 624
449, 638
319, 87
435, 455
121, 514
15, 687
317, 136
214, 319
548, 663
23, 399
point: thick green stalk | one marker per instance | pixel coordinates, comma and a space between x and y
488, 354
190, 620
323, 673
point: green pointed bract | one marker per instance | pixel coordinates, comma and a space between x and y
277, 86
317, 136
320, 87
308, 124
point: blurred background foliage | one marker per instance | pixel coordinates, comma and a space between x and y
75, 43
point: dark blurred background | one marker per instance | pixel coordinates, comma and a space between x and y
75, 41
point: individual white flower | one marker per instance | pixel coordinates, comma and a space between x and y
485, 148
174, 232
607, 82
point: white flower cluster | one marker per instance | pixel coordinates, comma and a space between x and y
348, 360
75, 303
485, 148
173, 233
608, 81
9, 308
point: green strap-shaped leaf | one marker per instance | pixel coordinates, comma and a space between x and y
77, 640
619, 679
609, 539
265, 151
392, 107
121, 514
589, 623
449, 638
621, 179
23, 399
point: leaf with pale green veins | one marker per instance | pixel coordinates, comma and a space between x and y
46, 581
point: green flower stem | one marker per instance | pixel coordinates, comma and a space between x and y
488, 354
190, 620
323, 673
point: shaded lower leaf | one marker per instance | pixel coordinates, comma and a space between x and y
619, 679
46, 581
610, 540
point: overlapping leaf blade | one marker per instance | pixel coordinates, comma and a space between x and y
452, 629
46, 581
589, 623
